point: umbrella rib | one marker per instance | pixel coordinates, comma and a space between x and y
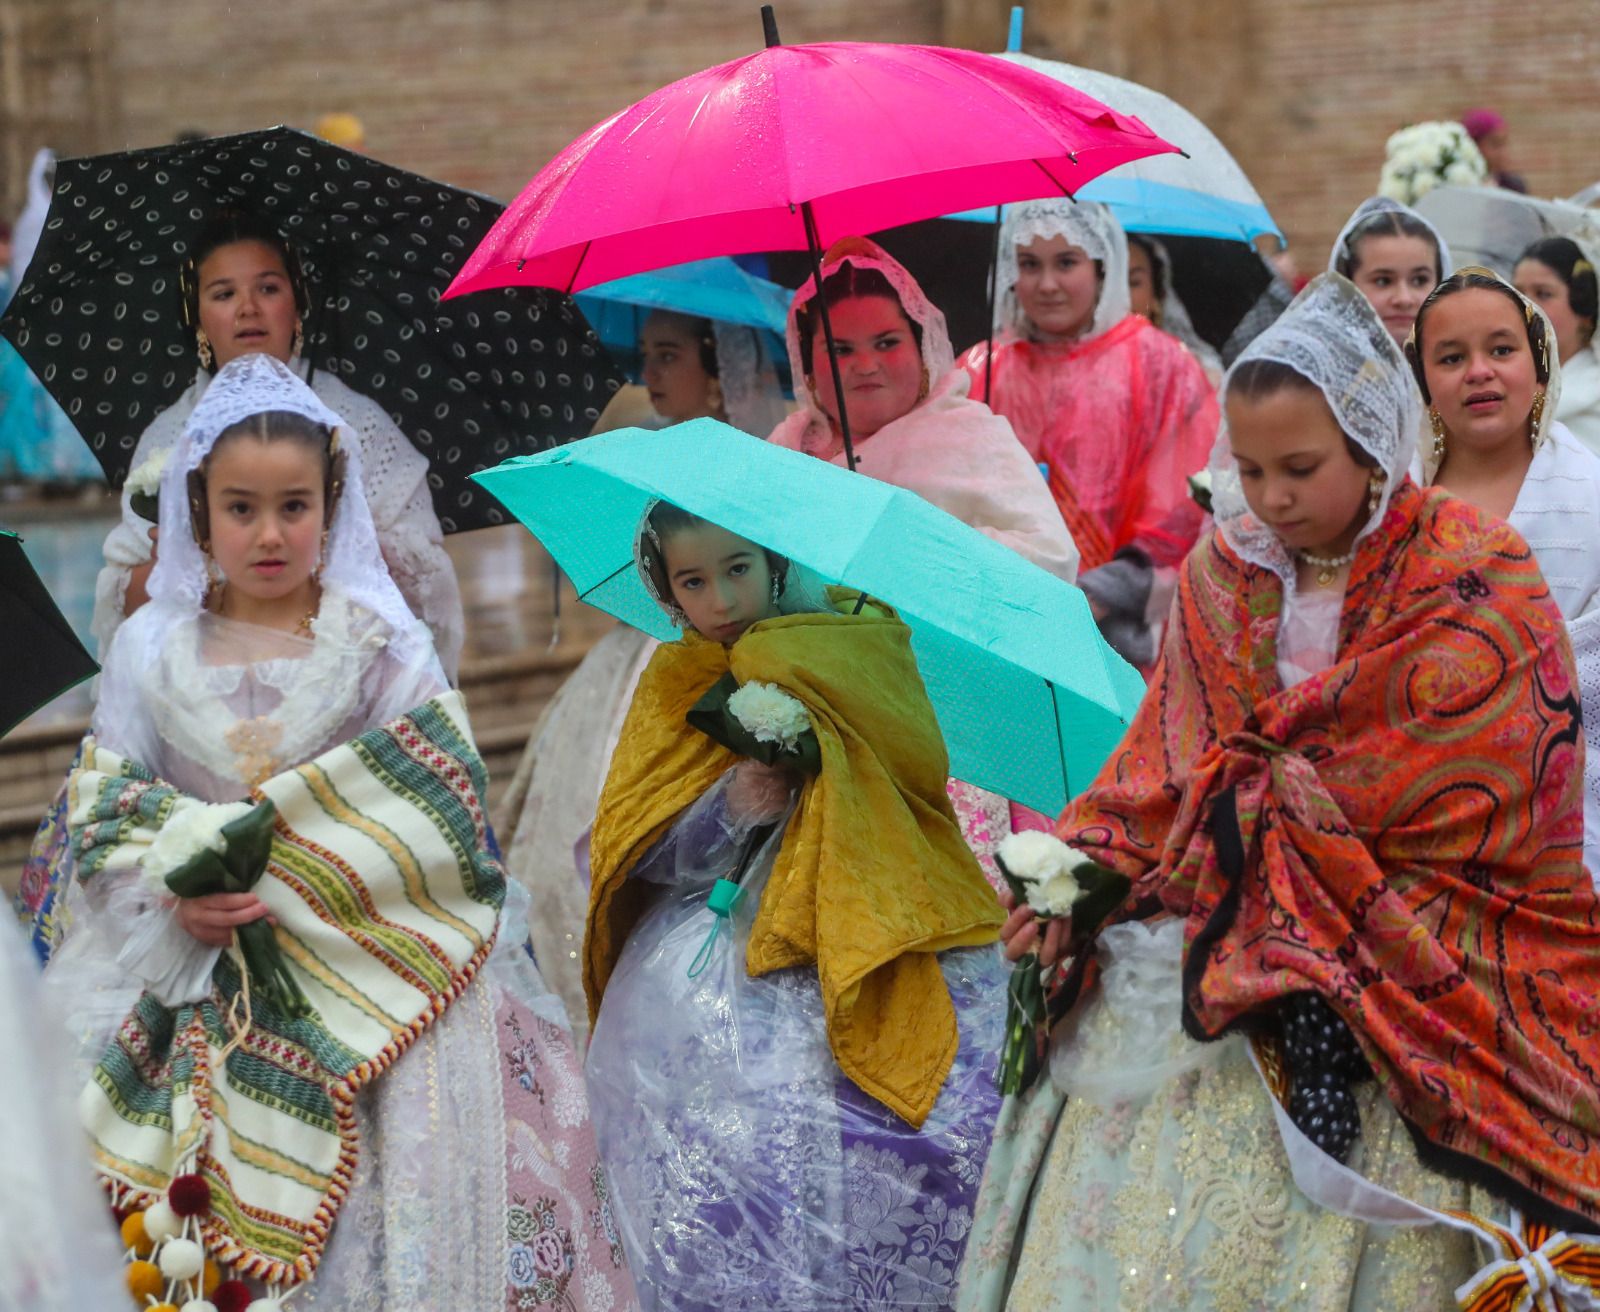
620, 569
1060, 185
1061, 746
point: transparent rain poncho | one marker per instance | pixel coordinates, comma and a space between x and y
1121, 417
747, 1171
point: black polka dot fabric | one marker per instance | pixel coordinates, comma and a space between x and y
1324, 1062
470, 381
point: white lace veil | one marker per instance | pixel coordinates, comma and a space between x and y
1552, 362
1370, 208
1087, 225
1333, 338
353, 563
751, 392
804, 592
937, 356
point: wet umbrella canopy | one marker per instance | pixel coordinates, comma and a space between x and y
99, 316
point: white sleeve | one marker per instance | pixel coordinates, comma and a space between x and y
1584, 633
128, 544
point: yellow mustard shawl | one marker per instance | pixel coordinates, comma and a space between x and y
872, 878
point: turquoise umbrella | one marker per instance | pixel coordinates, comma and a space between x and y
1029, 696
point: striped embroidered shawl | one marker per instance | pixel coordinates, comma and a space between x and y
387, 899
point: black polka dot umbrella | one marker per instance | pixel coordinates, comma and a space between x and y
98, 315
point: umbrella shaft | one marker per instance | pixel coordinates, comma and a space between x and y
814, 248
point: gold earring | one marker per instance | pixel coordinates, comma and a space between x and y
322, 558
1374, 493
202, 345
714, 398
1436, 422
298, 345
1536, 417
922, 392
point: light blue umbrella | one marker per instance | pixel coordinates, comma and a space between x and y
709, 289
1029, 696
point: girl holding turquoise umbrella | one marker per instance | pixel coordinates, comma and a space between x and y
791, 1092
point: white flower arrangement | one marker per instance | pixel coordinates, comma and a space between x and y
189, 830
1044, 865
1428, 155
769, 714
146, 479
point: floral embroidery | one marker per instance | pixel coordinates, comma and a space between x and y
541, 1258
523, 1057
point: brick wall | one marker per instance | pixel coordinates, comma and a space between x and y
482, 92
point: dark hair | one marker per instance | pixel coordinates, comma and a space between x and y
1255, 380
1158, 266
700, 332
1480, 280
1386, 223
664, 523
225, 228
271, 426
845, 283
1565, 258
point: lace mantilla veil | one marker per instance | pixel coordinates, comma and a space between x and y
1333, 338
1087, 225
1372, 207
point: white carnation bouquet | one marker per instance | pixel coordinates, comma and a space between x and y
770, 714
1428, 155
144, 486
1056, 882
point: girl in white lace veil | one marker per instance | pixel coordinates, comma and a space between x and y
1331, 337
1120, 414
214, 705
696, 367
1168, 311
1556, 505
1089, 226
179, 672
1396, 293
394, 471
944, 446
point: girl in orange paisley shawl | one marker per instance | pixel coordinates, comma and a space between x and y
1356, 979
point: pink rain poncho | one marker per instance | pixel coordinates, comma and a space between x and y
1122, 416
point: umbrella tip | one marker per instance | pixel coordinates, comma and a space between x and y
769, 26
1014, 37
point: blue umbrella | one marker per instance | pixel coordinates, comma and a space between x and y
709, 289
1029, 696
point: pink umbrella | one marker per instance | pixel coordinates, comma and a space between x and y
792, 148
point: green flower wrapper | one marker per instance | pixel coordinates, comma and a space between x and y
146, 505
1027, 1001
236, 869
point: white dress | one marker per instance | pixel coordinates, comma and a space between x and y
395, 475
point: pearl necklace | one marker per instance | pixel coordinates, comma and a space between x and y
1327, 567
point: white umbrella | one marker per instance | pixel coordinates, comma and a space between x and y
1492, 226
